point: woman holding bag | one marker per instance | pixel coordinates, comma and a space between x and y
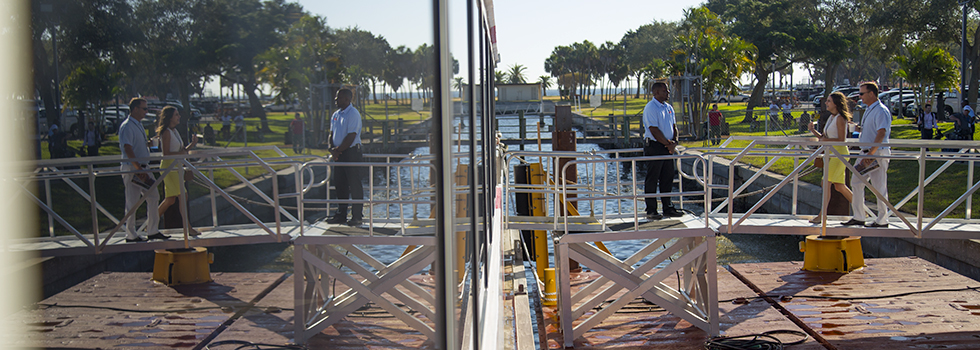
835, 131
173, 145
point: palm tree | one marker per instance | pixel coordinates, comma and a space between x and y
458, 85
545, 81
928, 66
499, 77
516, 74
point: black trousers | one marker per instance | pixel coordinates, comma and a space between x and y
660, 175
347, 179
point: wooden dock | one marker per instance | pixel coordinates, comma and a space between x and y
894, 303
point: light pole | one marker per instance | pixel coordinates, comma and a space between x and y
963, 60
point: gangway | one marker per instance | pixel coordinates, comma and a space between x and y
796, 154
94, 181
610, 201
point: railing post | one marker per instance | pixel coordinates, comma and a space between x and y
522, 131
626, 131
612, 128
47, 199
93, 206
384, 134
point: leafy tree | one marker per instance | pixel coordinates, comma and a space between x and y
309, 55
545, 81
250, 28
499, 77
928, 66
458, 84
90, 85
704, 49
364, 51
646, 45
558, 65
515, 74
398, 67
83, 32
779, 30
181, 39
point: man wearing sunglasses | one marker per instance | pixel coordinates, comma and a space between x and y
876, 126
134, 144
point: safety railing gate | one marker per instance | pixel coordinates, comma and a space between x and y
610, 196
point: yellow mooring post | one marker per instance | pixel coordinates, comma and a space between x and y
182, 266
550, 292
832, 253
539, 207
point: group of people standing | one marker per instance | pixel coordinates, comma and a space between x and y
660, 138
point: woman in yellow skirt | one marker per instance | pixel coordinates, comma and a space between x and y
172, 145
835, 131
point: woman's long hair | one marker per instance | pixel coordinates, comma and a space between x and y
166, 115
840, 101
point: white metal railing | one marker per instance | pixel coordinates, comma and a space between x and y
601, 190
930, 164
605, 177
75, 172
405, 184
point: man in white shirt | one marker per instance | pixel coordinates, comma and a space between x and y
876, 126
927, 123
345, 146
660, 134
240, 126
787, 111
134, 144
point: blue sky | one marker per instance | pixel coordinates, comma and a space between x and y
527, 30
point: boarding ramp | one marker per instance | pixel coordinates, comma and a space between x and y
80, 200
914, 166
64, 188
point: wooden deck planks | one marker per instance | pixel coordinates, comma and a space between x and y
948, 320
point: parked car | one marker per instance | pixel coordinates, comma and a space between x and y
846, 90
885, 96
295, 106
897, 104
953, 102
730, 98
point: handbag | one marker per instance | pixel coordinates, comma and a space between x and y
818, 162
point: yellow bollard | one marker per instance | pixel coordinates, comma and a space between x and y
832, 254
550, 292
182, 266
539, 206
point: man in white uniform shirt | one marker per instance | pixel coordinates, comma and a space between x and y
134, 144
345, 146
660, 134
876, 126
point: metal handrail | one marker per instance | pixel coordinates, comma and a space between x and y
800, 148
201, 163
416, 187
